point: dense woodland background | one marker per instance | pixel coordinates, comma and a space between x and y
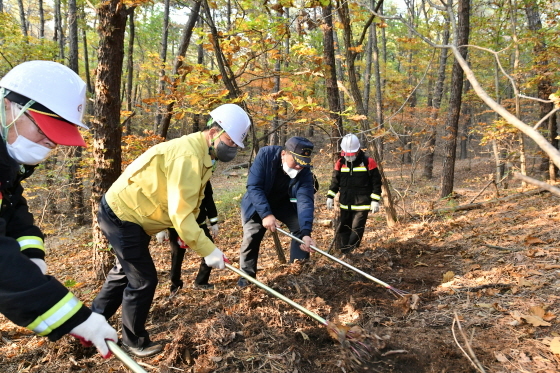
426, 85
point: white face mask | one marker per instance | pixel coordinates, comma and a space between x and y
25, 151
291, 172
350, 158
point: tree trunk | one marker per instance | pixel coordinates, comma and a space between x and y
58, 35
22, 19
452, 122
41, 20
163, 58
181, 52
86, 55
112, 15
436, 103
544, 85
76, 186
333, 94
130, 65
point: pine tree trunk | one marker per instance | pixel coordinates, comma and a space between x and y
436, 103
333, 94
452, 122
22, 20
112, 15
181, 52
41, 19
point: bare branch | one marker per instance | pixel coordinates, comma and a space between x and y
541, 184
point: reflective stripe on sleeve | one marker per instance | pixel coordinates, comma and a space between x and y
293, 200
375, 197
355, 169
28, 242
214, 220
56, 315
331, 193
355, 207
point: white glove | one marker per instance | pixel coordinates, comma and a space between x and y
95, 330
162, 236
40, 263
214, 230
215, 259
374, 206
330, 203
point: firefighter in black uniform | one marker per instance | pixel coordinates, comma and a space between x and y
41, 105
358, 180
178, 246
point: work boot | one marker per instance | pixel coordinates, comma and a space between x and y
150, 350
242, 282
196, 286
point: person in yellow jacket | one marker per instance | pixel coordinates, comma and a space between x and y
160, 189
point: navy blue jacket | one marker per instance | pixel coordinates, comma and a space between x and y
259, 185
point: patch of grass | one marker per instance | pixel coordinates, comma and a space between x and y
228, 200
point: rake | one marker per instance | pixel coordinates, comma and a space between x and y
359, 346
123, 356
395, 291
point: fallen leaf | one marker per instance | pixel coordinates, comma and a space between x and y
532, 240
537, 311
555, 345
535, 320
448, 276
420, 264
501, 357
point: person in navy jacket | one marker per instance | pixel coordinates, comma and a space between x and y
280, 188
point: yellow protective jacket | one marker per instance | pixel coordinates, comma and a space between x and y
164, 188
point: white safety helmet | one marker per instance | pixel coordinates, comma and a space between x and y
234, 120
350, 145
59, 93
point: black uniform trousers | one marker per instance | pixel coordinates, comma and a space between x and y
177, 256
351, 228
253, 233
132, 281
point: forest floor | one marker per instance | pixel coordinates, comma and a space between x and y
484, 280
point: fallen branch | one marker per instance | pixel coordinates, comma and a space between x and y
501, 248
470, 355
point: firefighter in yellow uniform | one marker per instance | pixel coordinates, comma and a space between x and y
358, 180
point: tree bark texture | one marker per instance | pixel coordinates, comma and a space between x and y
176, 73
333, 94
107, 129
436, 103
452, 122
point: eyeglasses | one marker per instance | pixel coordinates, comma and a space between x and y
35, 123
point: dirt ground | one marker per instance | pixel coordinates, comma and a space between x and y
483, 287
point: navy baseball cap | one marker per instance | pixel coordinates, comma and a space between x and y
301, 149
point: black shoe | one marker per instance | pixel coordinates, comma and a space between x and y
151, 349
203, 286
242, 282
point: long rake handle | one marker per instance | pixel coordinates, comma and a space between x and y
277, 294
127, 360
338, 261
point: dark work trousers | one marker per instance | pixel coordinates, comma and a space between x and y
351, 228
177, 255
132, 281
253, 233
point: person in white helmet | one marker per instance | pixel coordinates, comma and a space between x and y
358, 180
160, 189
41, 106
